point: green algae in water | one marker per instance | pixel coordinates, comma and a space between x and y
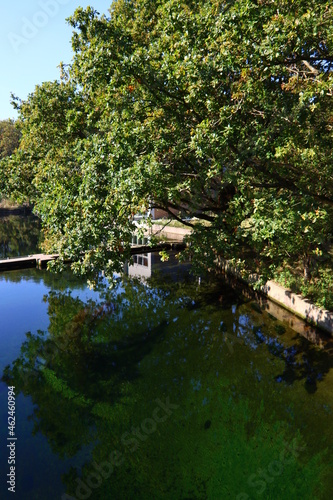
178, 391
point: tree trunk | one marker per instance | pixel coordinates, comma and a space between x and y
307, 268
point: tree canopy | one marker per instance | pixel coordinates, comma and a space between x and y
220, 110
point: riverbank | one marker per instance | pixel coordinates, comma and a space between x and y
298, 305
8, 207
293, 302
290, 301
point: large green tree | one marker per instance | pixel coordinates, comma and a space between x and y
216, 109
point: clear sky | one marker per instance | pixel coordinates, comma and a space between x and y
34, 39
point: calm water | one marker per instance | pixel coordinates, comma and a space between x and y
175, 389
19, 236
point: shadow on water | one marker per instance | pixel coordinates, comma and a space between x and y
304, 362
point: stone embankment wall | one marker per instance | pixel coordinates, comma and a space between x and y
282, 296
293, 302
299, 306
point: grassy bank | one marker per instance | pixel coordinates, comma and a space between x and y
10, 205
7, 204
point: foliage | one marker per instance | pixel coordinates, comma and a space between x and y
319, 290
9, 141
221, 110
9, 138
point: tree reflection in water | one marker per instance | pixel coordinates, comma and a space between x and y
19, 236
96, 374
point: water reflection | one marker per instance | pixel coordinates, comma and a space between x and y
172, 389
19, 236
148, 266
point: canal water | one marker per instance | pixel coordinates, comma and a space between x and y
162, 387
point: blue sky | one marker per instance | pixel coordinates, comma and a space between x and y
34, 39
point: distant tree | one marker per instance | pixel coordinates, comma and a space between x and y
221, 110
9, 138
